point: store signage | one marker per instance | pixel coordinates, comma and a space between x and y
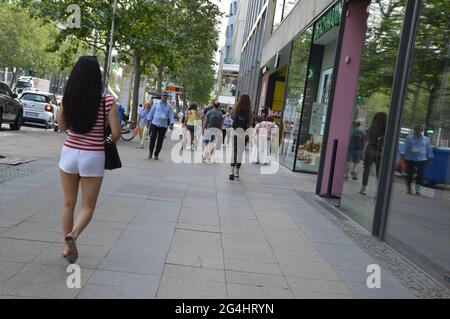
331, 19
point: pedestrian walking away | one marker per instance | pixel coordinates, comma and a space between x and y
416, 153
227, 126
143, 124
191, 121
355, 149
82, 160
374, 147
242, 119
160, 118
212, 126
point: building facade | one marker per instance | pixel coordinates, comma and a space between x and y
231, 53
350, 82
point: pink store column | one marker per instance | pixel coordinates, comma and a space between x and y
345, 94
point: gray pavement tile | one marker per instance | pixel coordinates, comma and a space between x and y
360, 290
252, 238
97, 236
151, 215
150, 262
303, 248
308, 294
237, 291
22, 251
135, 188
9, 269
88, 256
312, 269
137, 240
250, 255
204, 228
317, 285
192, 282
190, 237
188, 289
195, 256
34, 231
253, 267
260, 280
192, 202
261, 247
119, 285
3, 229
178, 272
151, 225
43, 281
210, 219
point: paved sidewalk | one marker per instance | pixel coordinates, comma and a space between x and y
163, 230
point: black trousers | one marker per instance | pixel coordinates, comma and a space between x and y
410, 169
371, 156
156, 135
238, 150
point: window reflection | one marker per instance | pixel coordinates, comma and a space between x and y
384, 27
418, 220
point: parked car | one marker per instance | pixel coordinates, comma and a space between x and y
11, 110
39, 107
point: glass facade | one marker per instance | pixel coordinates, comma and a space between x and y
308, 92
295, 96
418, 222
370, 113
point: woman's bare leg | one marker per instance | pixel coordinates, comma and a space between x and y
91, 188
70, 184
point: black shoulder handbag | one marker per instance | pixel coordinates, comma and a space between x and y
112, 158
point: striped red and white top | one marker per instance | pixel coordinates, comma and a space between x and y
93, 140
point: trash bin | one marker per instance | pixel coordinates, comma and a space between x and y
439, 170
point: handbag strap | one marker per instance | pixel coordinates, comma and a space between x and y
104, 117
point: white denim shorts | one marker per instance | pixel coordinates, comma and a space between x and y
83, 163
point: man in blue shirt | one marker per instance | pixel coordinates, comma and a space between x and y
160, 117
416, 153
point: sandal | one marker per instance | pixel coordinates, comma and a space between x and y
72, 254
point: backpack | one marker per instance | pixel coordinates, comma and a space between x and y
214, 118
241, 120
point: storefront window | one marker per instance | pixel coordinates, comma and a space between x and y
384, 28
295, 95
229, 82
317, 94
418, 223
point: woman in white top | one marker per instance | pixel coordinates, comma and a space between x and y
82, 159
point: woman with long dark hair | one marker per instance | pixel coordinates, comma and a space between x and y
374, 147
242, 119
82, 159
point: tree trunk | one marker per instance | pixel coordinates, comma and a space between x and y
159, 78
13, 78
105, 64
429, 110
137, 79
185, 106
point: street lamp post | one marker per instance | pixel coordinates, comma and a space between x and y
111, 41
